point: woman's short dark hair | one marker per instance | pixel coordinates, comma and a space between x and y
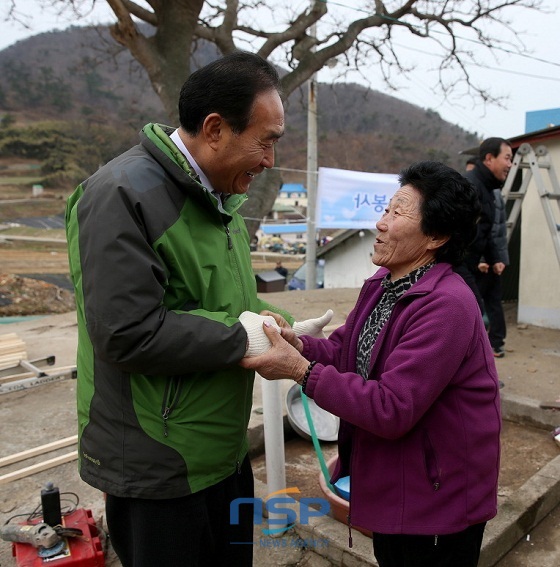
227, 86
449, 206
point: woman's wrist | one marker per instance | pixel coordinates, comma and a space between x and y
305, 376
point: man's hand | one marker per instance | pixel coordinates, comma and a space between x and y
498, 268
257, 340
483, 267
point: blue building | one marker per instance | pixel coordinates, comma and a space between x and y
540, 119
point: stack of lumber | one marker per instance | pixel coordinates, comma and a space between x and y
12, 350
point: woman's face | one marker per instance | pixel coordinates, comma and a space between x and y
400, 245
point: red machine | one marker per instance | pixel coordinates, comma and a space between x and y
78, 551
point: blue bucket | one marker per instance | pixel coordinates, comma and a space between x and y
342, 486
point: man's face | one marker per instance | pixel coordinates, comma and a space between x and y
501, 164
239, 157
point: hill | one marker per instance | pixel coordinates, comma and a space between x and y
81, 74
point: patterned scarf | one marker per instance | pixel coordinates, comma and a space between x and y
380, 315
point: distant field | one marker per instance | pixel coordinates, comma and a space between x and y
53, 233
18, 180
30, 208
17, 177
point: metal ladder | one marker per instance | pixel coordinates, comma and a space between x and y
533, 161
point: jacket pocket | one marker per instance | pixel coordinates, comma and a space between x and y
171, 394
430, 462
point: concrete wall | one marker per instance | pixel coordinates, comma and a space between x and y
349, 264
539, 279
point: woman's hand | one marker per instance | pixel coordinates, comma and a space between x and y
282, 323
281, 361
286, 329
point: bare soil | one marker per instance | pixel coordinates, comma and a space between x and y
21, 296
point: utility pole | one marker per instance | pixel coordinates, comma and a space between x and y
311, 248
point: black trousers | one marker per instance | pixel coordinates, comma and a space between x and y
193, 531
490, 286
454, 550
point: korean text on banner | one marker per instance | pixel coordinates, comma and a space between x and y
352, 199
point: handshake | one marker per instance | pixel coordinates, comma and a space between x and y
258, 341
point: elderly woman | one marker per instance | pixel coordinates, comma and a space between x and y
412, 376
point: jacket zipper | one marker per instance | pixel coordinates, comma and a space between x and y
349, 531
170, 401
228, 235
230, 247
432, 468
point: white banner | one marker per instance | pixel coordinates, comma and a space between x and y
352, 199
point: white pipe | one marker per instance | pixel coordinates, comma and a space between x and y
273, 438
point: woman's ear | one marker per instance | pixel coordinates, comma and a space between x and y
437, 242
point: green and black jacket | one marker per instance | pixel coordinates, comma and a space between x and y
161, 271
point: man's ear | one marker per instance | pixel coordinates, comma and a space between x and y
212, 129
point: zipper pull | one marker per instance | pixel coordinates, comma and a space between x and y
165, 416
238, 467
229, 242
435, 540
349, 531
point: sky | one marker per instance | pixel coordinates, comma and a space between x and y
529, 83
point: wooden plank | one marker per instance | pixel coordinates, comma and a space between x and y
6, 346
8, 337
17, 457
551, 405
12, 350
39, 467
11, 361
12, 354
11, 341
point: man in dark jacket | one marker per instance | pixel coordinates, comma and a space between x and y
488, 255
159, 257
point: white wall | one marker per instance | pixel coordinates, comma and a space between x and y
539, 279
349, 264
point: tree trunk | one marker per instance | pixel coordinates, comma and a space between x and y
166, 54
262, 194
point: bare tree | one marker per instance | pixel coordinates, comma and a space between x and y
304, 36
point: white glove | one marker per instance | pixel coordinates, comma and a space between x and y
313, 327
253, 323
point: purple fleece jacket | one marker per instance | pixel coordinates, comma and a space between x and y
420, 437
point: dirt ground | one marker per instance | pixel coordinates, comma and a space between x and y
20, 295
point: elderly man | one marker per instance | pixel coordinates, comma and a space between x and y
159, 257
